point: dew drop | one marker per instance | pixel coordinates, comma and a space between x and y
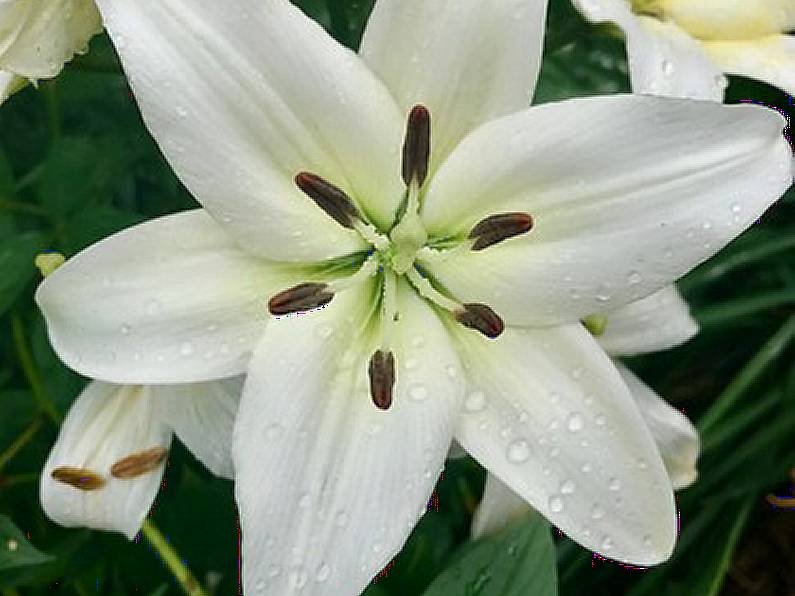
667, 67
273, 571
125, 329
568, 487
452, 371
341, 519
600, 420
634, 278
607, 543
556, 504
323, 573
614, 484
305, 501
418, 341
518, 451
575, 423
186, 348
153, 307
597, 512
475, 402
587, 467
411, 364
418, 392
298, 577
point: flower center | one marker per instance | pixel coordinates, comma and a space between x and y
393, 255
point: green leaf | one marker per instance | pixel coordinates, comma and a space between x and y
161, 591
519, 561
16, 266
15, 550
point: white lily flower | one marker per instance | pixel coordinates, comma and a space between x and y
107, 464
38, 36
659, 322
293, 146
682, 48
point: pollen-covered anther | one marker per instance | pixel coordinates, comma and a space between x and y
417, 145
138, 464
331, 199
300, 298
497, 228
382, 378
80, 478
480, 318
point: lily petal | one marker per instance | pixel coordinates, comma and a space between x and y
663, 58
659, 322
731, 19
106, 424
468, 61
202, 415
548, 414
326, 498
44, 34
658, 186
498, 509
168, 301
770, 59
10, 84
676, 437
242, 97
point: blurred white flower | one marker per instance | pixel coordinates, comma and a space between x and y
107, 464
681, 48
38, 36
453, 278
658, 322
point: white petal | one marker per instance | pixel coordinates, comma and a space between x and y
468, 61
731, 19
242, 96
105, 424
329, 487
628, 193
171, 300
770, 59
659, 322
548, 414
202, 415
663, 58
10, 84
39, 36
676, 437
498, 508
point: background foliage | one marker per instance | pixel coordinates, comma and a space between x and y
77, 164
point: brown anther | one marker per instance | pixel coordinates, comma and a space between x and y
417, 145
139, 463
481, 318
329, 198
80, 478
497, 228
382, 378
302, 297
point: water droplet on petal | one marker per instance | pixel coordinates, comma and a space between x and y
518, 451
556, 504
418, 392
597, 512
575, 423
568, 487
323, 573
186, 348
475, 401
614, 484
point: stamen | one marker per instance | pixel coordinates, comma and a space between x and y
80, 478
481, 318
329, 198
417, 145
382, 378
300, 298
139, 463
500, 227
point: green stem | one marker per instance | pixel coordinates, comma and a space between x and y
31, 372
720, 314
52, 108
190, 585
755, 367
22, 440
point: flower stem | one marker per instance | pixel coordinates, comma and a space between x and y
22, 440
190, 585
30, 370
